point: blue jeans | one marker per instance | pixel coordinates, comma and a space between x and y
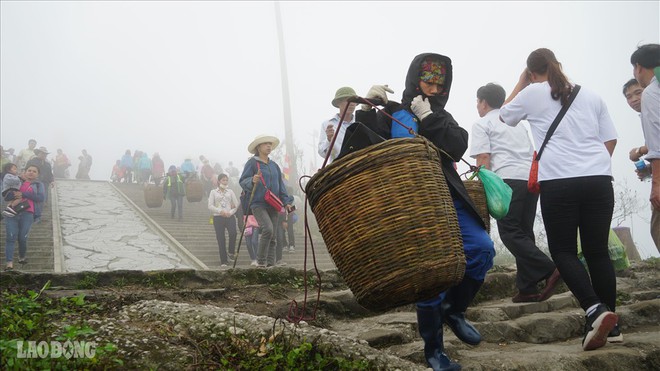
267, 219
18, 228
252, 242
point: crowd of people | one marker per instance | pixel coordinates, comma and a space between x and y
570, 125
139, 168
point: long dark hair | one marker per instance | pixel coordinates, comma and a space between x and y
543, 61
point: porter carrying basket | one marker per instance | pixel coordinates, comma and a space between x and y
153, 195
477, 193
194, 190
389, 223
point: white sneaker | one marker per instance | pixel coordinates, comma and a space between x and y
292, 248
254, 263
223, 266
280, 264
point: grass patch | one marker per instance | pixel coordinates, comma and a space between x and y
28, 317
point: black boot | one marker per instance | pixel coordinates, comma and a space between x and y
454, 306
429, 321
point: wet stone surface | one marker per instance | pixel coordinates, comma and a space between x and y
101, 232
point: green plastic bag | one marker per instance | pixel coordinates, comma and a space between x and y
498, 193
615, 248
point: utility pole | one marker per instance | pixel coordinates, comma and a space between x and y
286, 105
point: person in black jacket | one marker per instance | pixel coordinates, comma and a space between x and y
422, 108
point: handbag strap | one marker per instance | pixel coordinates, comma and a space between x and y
555, 123
261, 175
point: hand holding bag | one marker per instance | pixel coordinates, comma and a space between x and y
270, 197
533, 185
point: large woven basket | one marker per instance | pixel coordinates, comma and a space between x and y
477, 193
194, 190
388, 220
153, 196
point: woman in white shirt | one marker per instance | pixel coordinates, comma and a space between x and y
223, 205
576, 185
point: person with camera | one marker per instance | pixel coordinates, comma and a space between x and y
329, 127
645, 61
265, 195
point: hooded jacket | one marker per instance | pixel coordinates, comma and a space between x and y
439, 127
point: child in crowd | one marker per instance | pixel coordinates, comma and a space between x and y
11, 183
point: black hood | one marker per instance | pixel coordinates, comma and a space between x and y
412, 90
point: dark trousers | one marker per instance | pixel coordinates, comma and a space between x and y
220, 224
177, 201
586, 203
517, 233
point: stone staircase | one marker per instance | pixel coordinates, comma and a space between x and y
39, 245
196, 234
528, 336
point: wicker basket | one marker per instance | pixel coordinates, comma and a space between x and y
153, 196
388, 220
476, 191
194, 190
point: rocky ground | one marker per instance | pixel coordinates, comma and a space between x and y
158, 319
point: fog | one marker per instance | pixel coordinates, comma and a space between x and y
191, 78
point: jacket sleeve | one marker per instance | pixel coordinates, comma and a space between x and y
377, 121
286, 199
443, 131
245, 180
36, 192
48, 176
234, 203
211, 203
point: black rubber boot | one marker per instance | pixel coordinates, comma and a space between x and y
453, 309
429, 321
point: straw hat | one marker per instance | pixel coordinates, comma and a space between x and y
341, 94
40, 149
260, 139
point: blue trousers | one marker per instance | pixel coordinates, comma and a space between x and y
477, 245
18, 228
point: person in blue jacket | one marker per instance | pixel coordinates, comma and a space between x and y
422, 108
262, 173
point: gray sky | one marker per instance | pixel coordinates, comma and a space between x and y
191, 78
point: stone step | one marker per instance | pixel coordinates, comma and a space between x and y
196, 234
40, 257
522, 336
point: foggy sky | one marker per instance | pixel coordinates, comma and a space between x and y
191, 78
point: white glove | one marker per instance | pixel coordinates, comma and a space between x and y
376, 91
421, 107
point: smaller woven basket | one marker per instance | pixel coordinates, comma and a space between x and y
194, 190
475, 189
153, 196
389, 223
